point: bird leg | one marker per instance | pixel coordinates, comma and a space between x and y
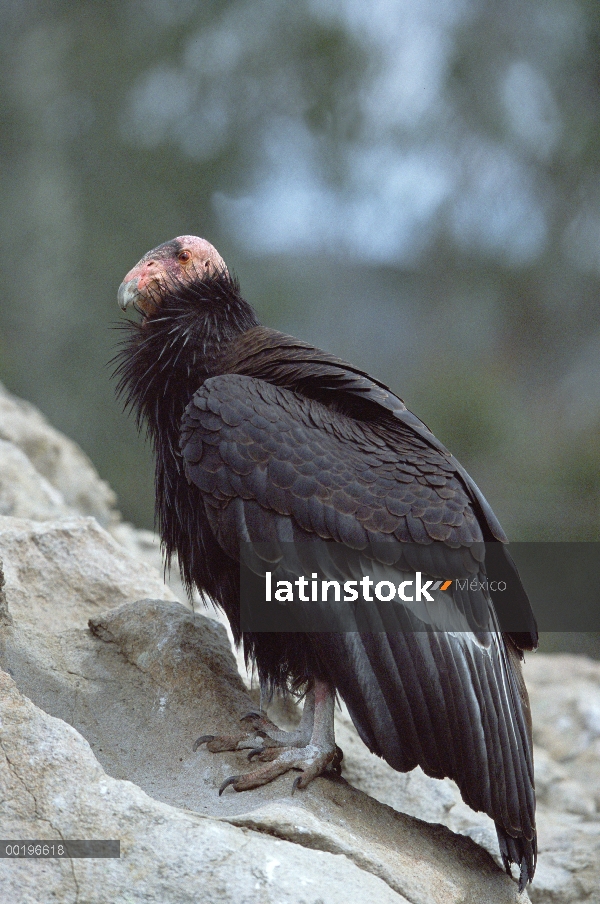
311, 759
275, 736
265, 733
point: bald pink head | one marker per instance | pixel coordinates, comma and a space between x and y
183, 259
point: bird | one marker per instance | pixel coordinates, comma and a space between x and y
265, 442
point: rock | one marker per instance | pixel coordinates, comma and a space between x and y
145, 545
414, 793
565, 699
187, 658
45, 476
386, 843
54, 788
58, 573
566, 693
5, 617
569, 859
140, 686
150, 676
57, 459
24, 492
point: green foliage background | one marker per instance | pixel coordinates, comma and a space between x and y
411, 185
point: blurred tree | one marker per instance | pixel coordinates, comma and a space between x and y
413, 186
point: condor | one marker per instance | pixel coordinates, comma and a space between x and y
262, 438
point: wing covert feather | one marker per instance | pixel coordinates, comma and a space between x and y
243, 437
275, 466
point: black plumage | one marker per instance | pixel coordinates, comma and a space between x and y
260, 437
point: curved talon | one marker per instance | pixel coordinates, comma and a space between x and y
205, 739
255, 752
228, 781
296, 784
251, 715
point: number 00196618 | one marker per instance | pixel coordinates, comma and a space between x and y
34, 850
41, 847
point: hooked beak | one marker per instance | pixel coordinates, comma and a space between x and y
128, 293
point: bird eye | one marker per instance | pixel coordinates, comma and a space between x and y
184, 256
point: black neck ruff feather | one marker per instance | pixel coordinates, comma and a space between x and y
162, 361
169, 354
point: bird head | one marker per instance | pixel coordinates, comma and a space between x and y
182, 260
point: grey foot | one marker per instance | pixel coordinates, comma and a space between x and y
311, 760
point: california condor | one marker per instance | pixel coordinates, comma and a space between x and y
262, 438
